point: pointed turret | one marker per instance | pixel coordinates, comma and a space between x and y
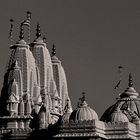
13, 99
60, 80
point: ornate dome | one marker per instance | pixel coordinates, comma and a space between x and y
118, 116
83, 112
128, 102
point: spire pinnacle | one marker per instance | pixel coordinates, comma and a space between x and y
38, 31
44, 39
11, 30
53, 50
83, 96
28, 15
130, 84
21, 36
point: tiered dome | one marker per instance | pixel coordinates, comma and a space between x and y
83, 112
128, 103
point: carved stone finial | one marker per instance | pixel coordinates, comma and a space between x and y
130, 84
11, 30
83, 96
44, 39
28, 15
21, 36
53, 50
38, 31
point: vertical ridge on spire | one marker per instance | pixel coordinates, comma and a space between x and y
38, 31
53, 50
130, 84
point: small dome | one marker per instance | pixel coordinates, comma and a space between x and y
118, 116
83, 112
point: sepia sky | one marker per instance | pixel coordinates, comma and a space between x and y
92, 37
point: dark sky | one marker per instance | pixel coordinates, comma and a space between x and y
92, 38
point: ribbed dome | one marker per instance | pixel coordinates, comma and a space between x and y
118, 116
83, 112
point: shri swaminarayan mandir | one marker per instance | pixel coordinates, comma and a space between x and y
35, 103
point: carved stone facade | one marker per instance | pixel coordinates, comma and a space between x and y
34, 100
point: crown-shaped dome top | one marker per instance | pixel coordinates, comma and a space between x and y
83, 112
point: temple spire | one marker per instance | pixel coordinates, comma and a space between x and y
53, 50
38, 31
130, 84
